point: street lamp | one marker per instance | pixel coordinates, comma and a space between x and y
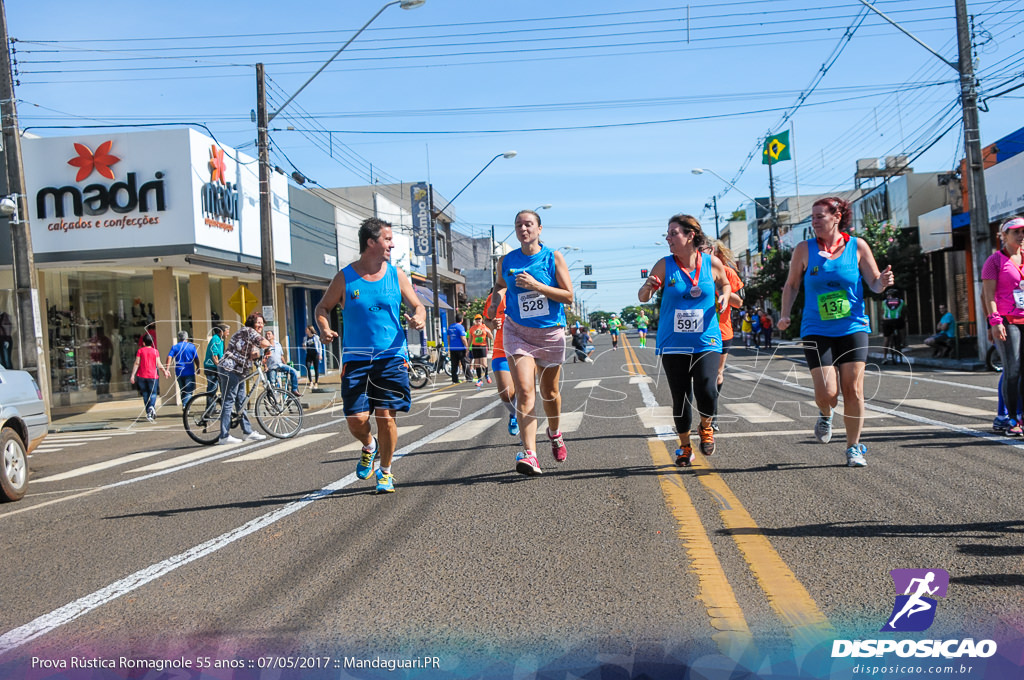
268, 284
546, 206
701, 171
433, 232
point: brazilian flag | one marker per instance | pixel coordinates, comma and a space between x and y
776, 148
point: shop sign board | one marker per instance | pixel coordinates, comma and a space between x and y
1004, 188
147, 189
421, 236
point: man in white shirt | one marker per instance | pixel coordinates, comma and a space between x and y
275, 362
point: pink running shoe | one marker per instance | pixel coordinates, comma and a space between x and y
558, 449
526, 463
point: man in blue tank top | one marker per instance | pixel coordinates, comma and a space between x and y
374, 374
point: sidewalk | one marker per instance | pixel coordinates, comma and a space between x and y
917, 353
123, 413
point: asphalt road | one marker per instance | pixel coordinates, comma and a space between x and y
137, 543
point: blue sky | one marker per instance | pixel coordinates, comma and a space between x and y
608, 105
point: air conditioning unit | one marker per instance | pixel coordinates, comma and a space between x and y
898, 163
867, 164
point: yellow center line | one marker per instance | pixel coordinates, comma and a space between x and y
787, 596
713, 589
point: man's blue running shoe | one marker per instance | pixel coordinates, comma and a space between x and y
385, 482
513, 426
1001, 424
365, 465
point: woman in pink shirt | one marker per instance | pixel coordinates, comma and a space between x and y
1002, 280
144, 375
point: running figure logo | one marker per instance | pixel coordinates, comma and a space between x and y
914, 609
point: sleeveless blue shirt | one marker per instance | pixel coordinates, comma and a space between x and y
688, 325
833, 294
372, 327
528, 307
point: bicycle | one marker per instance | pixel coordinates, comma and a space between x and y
278, 411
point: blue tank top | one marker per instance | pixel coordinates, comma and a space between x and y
833, 294
372, 329
689, 325
528, 307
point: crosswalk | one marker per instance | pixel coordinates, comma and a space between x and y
740, 418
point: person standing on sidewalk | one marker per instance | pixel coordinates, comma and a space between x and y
214, 353
1003, 302
538, 290
831, 266
689, 336
314, 350
144, 375
457, 337
374, 372
244, 348
185, 356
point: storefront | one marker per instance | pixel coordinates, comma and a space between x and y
144, 232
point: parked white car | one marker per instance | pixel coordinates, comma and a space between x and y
23, 425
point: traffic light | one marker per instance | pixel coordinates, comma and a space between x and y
643, 273
588, 270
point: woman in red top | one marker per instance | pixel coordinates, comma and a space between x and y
144, 375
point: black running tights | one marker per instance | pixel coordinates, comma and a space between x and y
696, 372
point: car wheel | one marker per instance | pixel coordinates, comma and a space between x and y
13, 466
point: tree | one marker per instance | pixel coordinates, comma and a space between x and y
896, 247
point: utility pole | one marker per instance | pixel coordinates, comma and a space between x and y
30, 328
268, 273
437, 330
981, 240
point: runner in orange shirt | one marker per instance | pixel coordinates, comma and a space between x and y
479, 339
722, 252
499, 366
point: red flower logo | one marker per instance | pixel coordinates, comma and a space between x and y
86, 161
218, 168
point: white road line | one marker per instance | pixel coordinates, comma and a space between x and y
355, 446
96, 467
570, 422
467, 431
922, 420
22, 635
756, 413
281, 447
946, 407
656, 417
431, 399
57, 446
587, 384
813, 412
171, 462
637, 379
836, 432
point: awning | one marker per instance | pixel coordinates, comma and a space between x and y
427, 297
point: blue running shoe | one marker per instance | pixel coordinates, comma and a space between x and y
1001, 424
365, 465
513, 426
855, 456
385, 482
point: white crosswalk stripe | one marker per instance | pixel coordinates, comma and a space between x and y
587, 384
281, 447
355, 446
570, 422
756, 413
465, 433
96, 467
946, 407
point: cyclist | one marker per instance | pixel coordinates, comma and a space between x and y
374, 373
243, 348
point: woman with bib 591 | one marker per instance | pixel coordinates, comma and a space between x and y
835, 325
